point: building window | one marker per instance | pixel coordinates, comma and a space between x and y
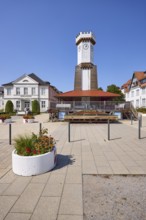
17, 104
137, 92
143, 102
25, 91
8, 91
132, 103
137, 103
144, 90
43, 91
132, 94
43, 104
17, 91
33, 91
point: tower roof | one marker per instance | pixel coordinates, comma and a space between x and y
85, 36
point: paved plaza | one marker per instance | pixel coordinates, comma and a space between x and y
58, 195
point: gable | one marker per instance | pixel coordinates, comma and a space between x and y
25, 80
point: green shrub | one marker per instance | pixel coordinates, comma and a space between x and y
142, 109
9, 108
35, 107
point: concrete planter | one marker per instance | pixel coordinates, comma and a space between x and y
33, 165
31, 120
9, 120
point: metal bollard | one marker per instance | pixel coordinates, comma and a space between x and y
108, 130
69, 131
40, 127
141, 121
10, 134
139, 128
131, 119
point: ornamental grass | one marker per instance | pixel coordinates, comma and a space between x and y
30, 145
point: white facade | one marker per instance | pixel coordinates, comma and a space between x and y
135, 90
85, 57
27, 89
137, 96
1, 100
86, 79
85, 53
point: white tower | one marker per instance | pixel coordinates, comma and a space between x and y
86, 73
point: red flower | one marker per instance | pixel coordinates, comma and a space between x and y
28, 150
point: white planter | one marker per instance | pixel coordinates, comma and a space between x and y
9, 120
28, 120
33, 165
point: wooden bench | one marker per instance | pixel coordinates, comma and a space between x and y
90, 118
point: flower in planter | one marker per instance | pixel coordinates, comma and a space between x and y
34, 144
4, 116
28, 117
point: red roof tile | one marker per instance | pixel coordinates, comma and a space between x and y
87, 93
140, 75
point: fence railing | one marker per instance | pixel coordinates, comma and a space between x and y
91, 105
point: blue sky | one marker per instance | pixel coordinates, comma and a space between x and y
38, 36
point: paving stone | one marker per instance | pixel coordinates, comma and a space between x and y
3, 187
43, 178
18, 216
54, 186
18, 186
118, 167
71, 202
136, 170
46, 208
6, 203
104, 170
8, 178
29, 198
88, 167
70, 217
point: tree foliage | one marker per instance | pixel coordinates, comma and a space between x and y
35, 107
115, 89
100, 88
9, 108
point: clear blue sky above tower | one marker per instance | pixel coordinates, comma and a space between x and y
38, 36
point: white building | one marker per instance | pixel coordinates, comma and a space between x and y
1, 98
135, 89
28, 88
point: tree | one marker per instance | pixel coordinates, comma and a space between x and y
115, 89
100, 88
9, 108
35, 107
